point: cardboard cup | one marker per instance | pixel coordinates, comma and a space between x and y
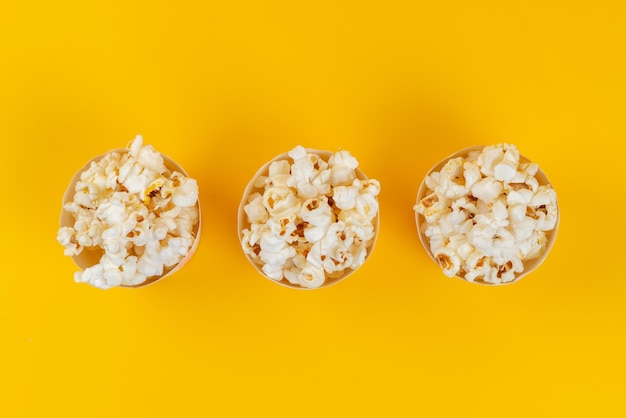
529, 265
243, 223
89, 257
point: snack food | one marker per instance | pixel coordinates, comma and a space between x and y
129, 218
309, 218
487, 215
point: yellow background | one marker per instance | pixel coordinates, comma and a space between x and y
222, 87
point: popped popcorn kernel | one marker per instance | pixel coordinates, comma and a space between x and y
484, 215
310, 218
141, 216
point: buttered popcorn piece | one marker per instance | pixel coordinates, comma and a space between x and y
310, 219
486, 214
137, 212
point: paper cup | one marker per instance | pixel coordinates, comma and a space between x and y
89, 257
242, 221
529, 265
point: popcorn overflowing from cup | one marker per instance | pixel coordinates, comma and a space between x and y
310, 220
140, 215
485, 215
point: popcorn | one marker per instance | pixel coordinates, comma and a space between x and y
487, 190
280, 201
342, 168
486, 214
345, 197
138, 214
448, 260
185, 192
317, 215
67, 238
308, 219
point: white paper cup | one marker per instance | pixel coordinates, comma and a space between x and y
243, 223
529, 265
89, 257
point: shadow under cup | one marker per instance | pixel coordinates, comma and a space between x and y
91, 256
529, 265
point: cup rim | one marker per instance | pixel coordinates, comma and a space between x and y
242, 222
529, 265
84, 260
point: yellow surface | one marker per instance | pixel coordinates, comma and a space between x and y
222, 87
